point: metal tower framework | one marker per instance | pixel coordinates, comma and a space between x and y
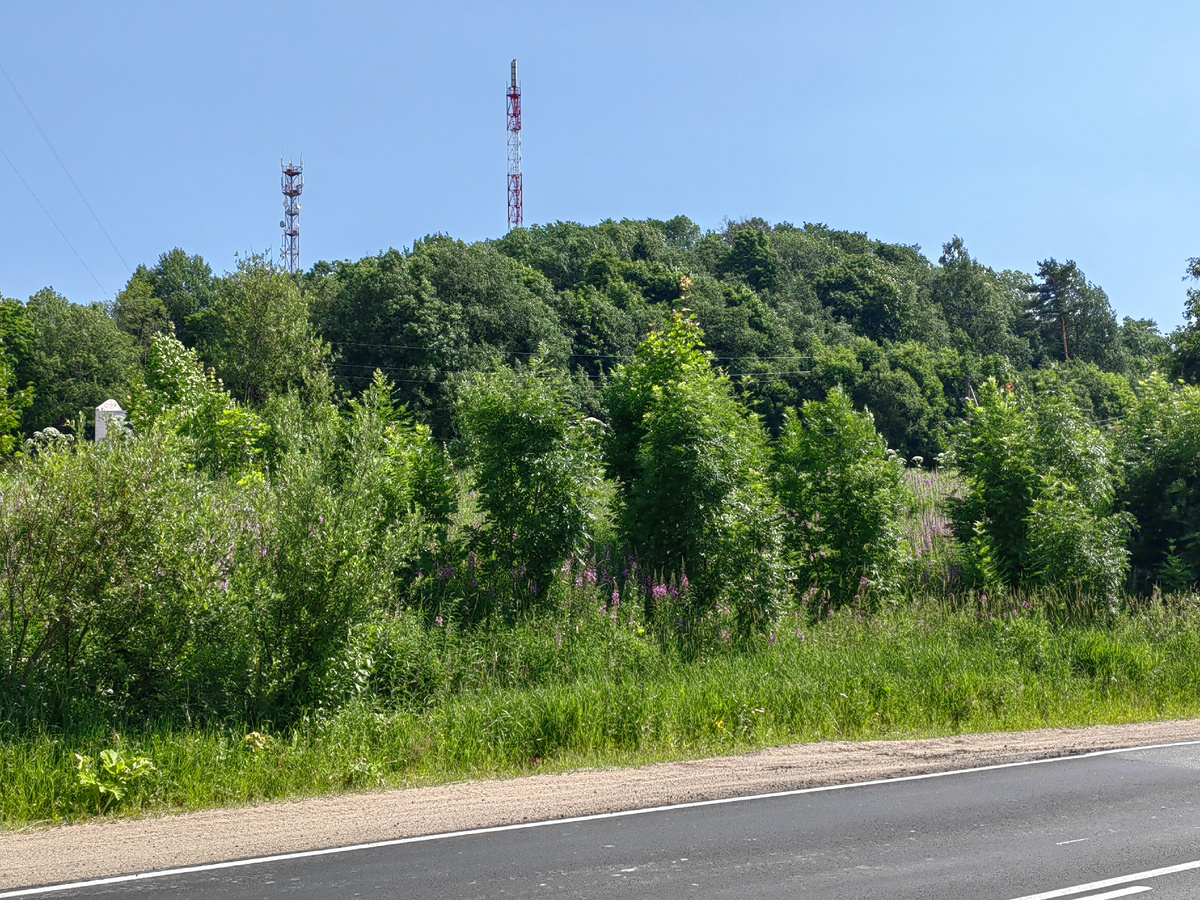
516, 191
293, 184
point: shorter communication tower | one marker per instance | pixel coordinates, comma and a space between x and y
293, 184
516, 193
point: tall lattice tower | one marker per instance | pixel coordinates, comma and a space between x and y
293, 184
516, 192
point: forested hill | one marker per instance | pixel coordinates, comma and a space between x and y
788, 311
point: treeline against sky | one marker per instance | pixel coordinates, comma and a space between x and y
788, 312
691, 432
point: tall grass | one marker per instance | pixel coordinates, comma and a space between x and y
933, 567
586, 688
427, 691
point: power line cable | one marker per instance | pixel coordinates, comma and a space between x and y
52, 222
342, 368
583, 356
66, 171
535, 352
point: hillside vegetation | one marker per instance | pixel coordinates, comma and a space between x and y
582, 494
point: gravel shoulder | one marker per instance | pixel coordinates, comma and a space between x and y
94, 850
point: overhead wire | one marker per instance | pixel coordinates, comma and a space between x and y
577, 356
63, 165
535, 352
52, 222
368, 367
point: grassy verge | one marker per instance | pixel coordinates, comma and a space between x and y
562, 694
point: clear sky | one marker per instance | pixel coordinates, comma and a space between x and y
1031, 129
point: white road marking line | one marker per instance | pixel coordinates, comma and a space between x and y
620, 814
1076, 841
1113, 882
1123, 892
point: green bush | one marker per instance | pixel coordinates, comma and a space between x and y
696, 503
844, 495
1160, 446
1038, 504
217, 434
537, 469
145, 577
327, 536
103, 546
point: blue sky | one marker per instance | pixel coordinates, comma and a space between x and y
1030, 129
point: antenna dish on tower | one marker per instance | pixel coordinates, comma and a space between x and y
293, 183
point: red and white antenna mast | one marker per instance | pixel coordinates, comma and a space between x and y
293, 184
516, 194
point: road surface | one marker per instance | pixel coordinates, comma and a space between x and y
1101, 826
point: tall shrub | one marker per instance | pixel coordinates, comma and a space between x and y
326, 537
1038, 505
694, 472
217, 434
537, 469
100, 547
844, 496
1160, 445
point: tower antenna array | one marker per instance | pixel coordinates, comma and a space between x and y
516, 194
293, 184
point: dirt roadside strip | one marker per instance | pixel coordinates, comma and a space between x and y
77, 852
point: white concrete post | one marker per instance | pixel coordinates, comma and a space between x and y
108, 412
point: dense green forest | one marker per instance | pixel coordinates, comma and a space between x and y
788, 312
695, 433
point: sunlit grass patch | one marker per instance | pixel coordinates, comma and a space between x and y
921, 670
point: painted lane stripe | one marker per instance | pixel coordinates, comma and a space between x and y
1113, 882
1123, 892
619, 814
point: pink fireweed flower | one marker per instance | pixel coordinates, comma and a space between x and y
438, 621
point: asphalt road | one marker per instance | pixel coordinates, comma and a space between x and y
1103, 826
